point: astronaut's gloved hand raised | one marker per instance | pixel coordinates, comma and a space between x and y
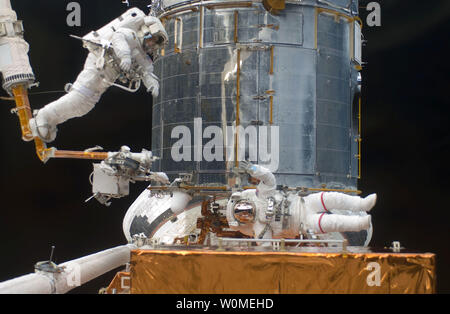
247, 167
152, 85
125, 64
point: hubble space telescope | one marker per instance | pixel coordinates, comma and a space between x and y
255, 157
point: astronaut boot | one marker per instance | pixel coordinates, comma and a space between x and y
365, 222
42, 129
368, 202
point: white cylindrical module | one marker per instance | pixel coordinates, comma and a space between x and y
73, 273
14, 63
28, 284
159, 216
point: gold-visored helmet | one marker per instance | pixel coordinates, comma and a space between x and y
244, 211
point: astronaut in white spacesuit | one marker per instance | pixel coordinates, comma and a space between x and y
118, 50
267, 213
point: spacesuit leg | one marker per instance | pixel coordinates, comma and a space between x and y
324, 223
327, 201
82, 97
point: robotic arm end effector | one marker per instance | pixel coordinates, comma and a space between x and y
111, 177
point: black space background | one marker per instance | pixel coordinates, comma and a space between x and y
406, 139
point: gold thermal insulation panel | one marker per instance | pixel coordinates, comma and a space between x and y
264, 272
120, 284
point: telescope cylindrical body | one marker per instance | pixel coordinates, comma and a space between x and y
234, 63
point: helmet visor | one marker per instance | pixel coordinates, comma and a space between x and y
244, 211
153, 42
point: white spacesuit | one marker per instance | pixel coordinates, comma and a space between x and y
268, 213
119, 50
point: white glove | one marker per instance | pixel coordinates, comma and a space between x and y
247, 167
152, 85
125, 65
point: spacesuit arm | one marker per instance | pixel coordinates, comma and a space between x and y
268, 181
265, 175
122, 50
145, 63
149, 79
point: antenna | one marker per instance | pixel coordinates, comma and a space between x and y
51, 254
48, 266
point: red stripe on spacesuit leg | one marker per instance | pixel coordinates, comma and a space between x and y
320, 219
323, 203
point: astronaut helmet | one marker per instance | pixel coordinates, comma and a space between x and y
244, 211
153, 35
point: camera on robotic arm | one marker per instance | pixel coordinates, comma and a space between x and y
111, 178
